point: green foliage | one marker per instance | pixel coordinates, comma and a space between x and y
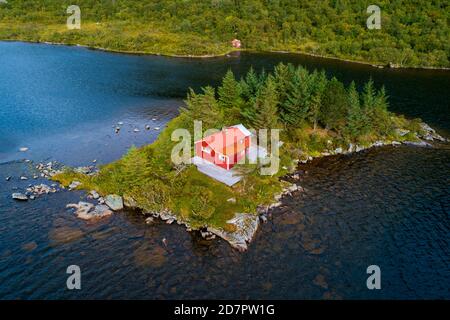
266, 106
230, 97
412, 33
355, 121
334, 105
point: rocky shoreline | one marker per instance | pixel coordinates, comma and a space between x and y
245, 224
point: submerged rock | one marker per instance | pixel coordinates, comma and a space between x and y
82, 209
19, 196
114, 201
418, 144
101, 211
150, 256
87, 211
23, 149
64, 234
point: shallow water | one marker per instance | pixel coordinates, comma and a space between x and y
387, 206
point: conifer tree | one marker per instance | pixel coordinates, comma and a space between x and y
266, 106
317, 87
333, 109
295, 107
229, 92
230, 99
204, 107
354, 115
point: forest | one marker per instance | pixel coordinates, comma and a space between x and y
413, 33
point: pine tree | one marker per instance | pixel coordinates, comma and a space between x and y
368, 96
250, 87
368, 104
294, 109
317, 88
333, 109
380, 116
204, 107
266, 106
230, 99
283, 78
354, 115
229, 92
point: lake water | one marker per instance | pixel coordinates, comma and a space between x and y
387, 206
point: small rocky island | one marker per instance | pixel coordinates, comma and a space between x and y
317, 116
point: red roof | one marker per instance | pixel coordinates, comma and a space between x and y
227, 141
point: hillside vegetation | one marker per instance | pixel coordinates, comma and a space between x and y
413, 33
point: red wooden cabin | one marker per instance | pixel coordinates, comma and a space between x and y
225, 148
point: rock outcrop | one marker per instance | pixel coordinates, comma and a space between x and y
246, 226
114, 201
88, 211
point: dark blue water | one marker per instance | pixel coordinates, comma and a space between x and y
388, 206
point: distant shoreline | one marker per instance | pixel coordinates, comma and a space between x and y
231, 51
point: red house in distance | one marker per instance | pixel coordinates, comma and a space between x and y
225, 148
236, 43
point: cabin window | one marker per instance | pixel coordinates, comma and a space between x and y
241, 141
222, 157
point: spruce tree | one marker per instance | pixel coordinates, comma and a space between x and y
266, 106
295, 107
317, 87
204, 107
368, 104
230, 99
333, 109
354, 116
229, 92
250, 86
